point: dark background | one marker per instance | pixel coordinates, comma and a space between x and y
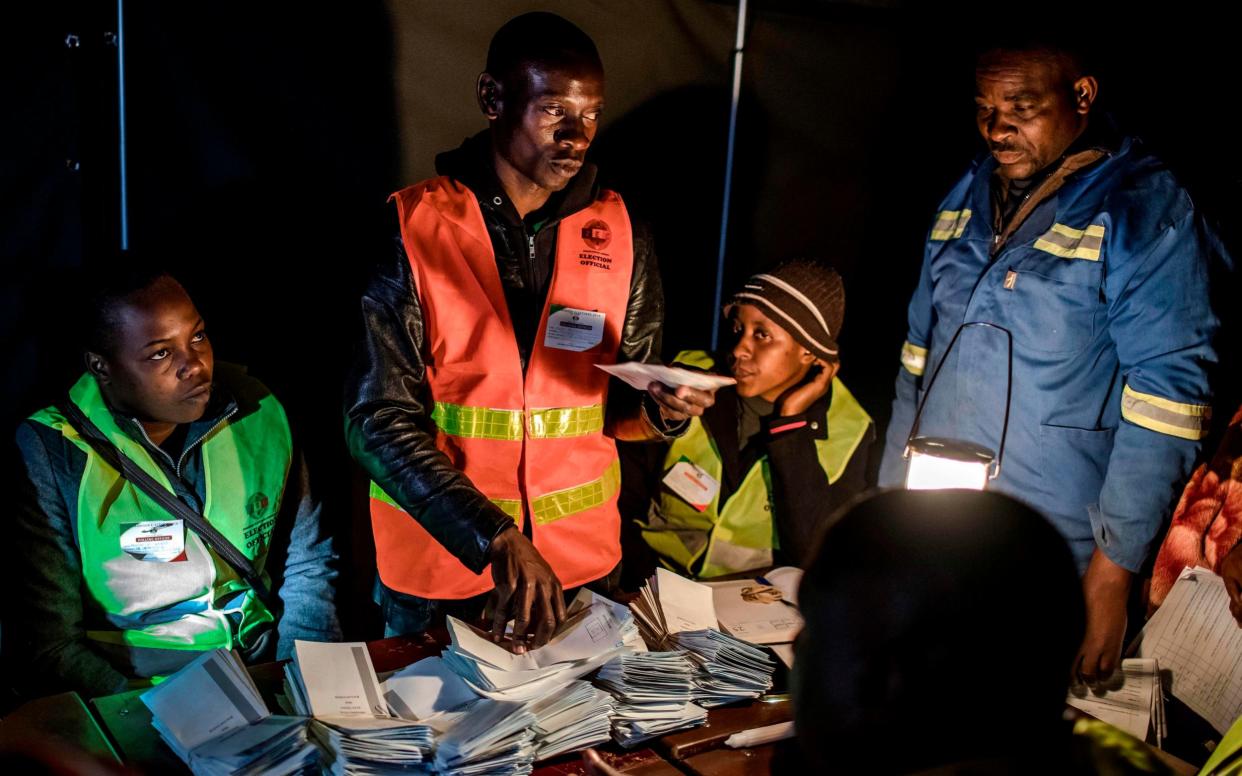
264, 138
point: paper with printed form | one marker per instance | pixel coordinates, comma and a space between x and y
1135, 704
224, 700
758, 613
639, 375
1197, 640
338, 680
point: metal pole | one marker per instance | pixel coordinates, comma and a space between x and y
120, 91
738, 48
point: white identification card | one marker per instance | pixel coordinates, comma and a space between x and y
688, 480
572, 329
160, 541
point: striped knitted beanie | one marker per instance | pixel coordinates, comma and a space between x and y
804, 298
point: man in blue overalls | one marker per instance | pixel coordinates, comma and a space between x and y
1085, 248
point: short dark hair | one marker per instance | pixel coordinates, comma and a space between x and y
106, 289
542, 38
1069, 54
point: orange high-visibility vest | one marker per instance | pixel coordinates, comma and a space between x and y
533, 444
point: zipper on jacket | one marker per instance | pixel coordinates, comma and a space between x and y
190, 447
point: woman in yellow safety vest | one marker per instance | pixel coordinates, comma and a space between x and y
751, 481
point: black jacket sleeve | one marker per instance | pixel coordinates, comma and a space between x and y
388, 424
803, 500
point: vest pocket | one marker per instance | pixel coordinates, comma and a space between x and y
1054, 310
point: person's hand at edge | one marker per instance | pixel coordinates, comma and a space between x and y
799, 399
1231, 572
527, 591
1106, 588
683, 402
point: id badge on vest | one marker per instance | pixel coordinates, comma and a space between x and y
690, 481
158, 541
572, 329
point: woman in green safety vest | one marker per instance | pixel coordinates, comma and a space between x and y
113, 589
751, 482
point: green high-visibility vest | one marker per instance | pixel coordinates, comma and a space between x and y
742, 535
187, 603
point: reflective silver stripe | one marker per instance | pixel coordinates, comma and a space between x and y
950, 224
1070, 243
735, 557
1187, 421
914, 359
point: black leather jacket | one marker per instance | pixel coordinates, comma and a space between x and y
387, 405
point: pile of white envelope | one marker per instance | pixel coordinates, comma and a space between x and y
575, 717
653, 692
485, 737
337, 685
211, 715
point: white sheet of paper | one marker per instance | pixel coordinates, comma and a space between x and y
425, 688
1128, 707
204, 700
340, 680
639, 375
465, 639
687, 605
1197, 640
757, 619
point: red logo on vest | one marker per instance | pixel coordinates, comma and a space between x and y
596, 234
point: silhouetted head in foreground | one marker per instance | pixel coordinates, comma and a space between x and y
940, 629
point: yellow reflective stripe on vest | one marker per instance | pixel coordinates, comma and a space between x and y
1188, 421
510, 506
913, 358
1070, 243
561, 422
563, 503
460, 420
950, 224
477, 422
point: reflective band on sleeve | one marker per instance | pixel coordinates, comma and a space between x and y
477, 422
1069, 243
950, 224
563, 503
1188, 421
565, 422
914, 359
510, 506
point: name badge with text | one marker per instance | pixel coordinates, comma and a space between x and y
159, 541
572, 329
690, 481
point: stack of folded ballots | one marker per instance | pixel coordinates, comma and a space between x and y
679, 614
567, 713
573, 718
485, 737
337, 685
653, 692
211, 714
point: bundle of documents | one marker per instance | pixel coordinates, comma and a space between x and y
1195, 638
594, 631
211, 715
572, 718
1133, 702
728, 669
485, 737
653, 692
680, 614
763, 610
336, 684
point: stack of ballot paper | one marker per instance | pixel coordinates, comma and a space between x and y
595, 630
1132, 702
680, 614
336, 684
653, 692
572, 718
485, 737
1194, 637
211, 714
728, 669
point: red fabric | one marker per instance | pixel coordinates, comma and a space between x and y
1207, 523
473, 361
